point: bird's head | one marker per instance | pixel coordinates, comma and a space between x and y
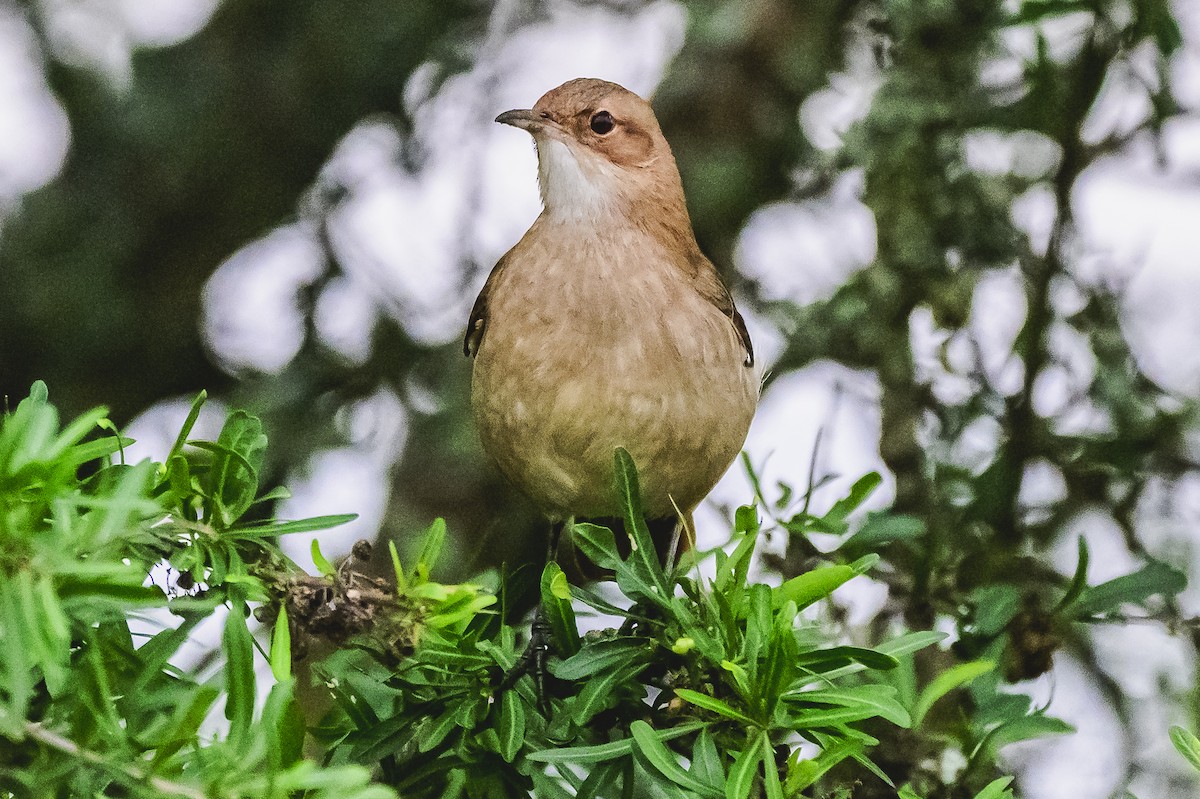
600, 152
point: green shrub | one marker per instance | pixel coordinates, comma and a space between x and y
708, 687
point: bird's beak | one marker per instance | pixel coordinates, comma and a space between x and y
524, 118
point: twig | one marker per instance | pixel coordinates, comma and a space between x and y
69, 747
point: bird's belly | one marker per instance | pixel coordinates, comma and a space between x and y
552, 405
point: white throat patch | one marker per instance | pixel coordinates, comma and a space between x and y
574, 189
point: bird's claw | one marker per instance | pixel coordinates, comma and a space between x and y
533, 661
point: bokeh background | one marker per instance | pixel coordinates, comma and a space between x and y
965, 236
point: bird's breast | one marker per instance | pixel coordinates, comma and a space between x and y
586, 352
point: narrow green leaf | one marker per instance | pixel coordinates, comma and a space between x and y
1079, 580
601, 656
1153, 578
714, 705
895, 648
744, 770
706, 760
511, 727
944, 683
879, 699
436, 731
597, 693
431, 549
273, 529
996, 789
662, 760
188, 424
1187, 745
881, 529
835, 657
281, 647
600, 753
323, 566
401, 580
643, 557
558, 611
774, 788
239, 673
807, 588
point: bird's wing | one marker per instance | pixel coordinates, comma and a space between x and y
709, 285
479, 312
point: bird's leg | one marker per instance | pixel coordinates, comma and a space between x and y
533, 660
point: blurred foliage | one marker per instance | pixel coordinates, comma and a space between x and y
220, 138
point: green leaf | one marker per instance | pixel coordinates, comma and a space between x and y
188, 424
662, 760
1079, 581
281, 647
1036, 10
233, 477
807, 588
996, 789
744, 770
600, 753
745, 520
863, 488
834, 751
597, 693
706, 760
559, 613
1134, 589
1025, 728
431, 549
836, 658
881, 529
601, 656
601, 778
774, 788
273, 529
880, 700
401, 580
511, 727
597, 543
733, 576
714, 705
1187, 745
323, 566
239, 673
944, 683
994, 607
643, 557
436, 730
896, 647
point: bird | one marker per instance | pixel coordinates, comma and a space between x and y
605, 326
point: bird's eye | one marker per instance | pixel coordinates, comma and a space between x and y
602, 122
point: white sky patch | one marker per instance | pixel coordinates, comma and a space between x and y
163, 22
336, 481
345, 317
251, 318
34, 133
1142, 225
1087, 763
102, 34
803, 251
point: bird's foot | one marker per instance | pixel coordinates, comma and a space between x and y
533, 661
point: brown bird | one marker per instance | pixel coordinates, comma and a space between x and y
605, 326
